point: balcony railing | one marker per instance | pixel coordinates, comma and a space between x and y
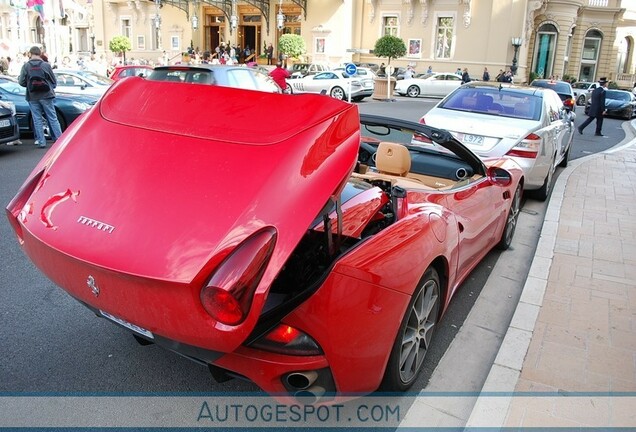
598, 3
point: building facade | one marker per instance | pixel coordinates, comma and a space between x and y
585, 39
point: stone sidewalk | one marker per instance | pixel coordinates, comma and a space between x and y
570, 352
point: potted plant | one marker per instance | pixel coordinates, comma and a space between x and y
390, 47
119, 45
291, 46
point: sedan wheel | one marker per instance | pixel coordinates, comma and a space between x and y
414, 335
543, 193
413, 91
580, 101
337, 93
511, 220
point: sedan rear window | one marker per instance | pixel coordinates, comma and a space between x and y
183, 75
493, 101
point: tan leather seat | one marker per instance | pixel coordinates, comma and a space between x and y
393, 159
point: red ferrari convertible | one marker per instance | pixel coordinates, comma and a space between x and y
281, 238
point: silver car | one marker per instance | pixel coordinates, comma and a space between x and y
81, 82
529, 124
336, 84
583, 91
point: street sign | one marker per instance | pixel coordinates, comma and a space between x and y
351, 69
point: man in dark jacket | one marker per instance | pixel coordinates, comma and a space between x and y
597, 108
38, 78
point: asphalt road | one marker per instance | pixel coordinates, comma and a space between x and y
50, 343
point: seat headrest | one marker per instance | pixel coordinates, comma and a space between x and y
393, 159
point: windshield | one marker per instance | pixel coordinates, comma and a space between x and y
582, 85
12, 87
617, 95
505, 103
558, 86
96, 78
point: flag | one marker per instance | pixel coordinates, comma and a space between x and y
38, 6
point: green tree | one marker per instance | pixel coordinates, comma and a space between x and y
292, 45
120, 44
390, 47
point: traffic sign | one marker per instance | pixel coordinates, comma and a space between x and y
351, 69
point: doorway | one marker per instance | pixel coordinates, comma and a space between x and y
248, 38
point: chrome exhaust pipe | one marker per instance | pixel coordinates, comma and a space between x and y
302, 380
310, 396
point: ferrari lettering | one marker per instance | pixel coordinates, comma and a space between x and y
96, 224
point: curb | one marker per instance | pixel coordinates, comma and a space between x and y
506, 369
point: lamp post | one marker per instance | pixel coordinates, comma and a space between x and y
92, 43
516, 43
233, 18
157, 20
280, 18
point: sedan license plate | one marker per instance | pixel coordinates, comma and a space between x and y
131, 326
473, 139
5, 123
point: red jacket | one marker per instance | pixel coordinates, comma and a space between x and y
279, 75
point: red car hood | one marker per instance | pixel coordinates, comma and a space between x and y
162, 180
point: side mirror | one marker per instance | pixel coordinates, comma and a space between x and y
499, 176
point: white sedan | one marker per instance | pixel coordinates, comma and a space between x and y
433, 84
335, 84
81, 82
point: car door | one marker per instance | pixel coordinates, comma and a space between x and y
451, 82
432, 85
321, 81
477, 211
558, 129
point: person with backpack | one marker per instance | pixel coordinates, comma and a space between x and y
40, 82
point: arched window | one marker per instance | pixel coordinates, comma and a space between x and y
590, 55
625, 49
544, 51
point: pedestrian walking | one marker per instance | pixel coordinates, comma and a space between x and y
270, 53
597, 108
38, 78
465, 76
486, 75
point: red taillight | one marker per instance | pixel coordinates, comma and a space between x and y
569, 103
527, 147
228, 295
283, 334
285, 339
420, 137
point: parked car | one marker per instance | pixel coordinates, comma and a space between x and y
68, 107
335, 84
562, 88
9, 131
301, 70
398, 73
373, 66
362, 72
529, 124
260, 249
583, 91
130, 70
221, 75
429, 85
81, 82
619, 103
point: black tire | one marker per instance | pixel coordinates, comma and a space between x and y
566, 157
414, 335
543, 193
511, 220
357, 98
337, 93
580, 101
413, 91
289, 89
